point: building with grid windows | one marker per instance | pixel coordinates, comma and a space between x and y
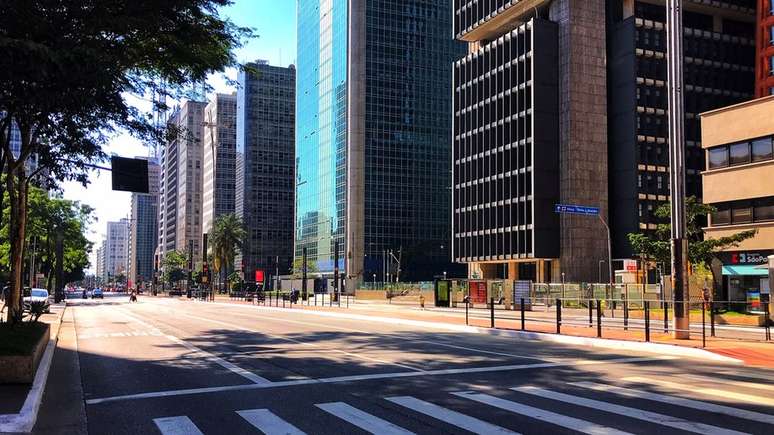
219, 175
739, 145
372, 139
265, 108
530, 120
764, 84
117, 249
143, 229
719, 44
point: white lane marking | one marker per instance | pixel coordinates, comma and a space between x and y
454, 418
206, 355
361, 419
269, 423
757, 376
651, 417
354, 378
177, 426
724, 393
679, 401
280, 337
472, 349
573, 423
740, 384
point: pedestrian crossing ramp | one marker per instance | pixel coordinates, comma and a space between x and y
583, 407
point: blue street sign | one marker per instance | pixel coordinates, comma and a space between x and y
576, 209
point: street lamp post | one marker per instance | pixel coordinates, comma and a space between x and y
676, 124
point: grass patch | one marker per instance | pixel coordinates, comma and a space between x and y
22, 339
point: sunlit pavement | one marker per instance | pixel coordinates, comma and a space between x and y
169, 366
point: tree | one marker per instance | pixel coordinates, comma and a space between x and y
66, 71
656, 247
226, 238
298, 267
174, 266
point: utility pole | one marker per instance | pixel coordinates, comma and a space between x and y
676, 123
336, 269
303, 273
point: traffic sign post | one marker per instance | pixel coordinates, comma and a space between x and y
591, 211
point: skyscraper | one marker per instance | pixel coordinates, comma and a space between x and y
143, 229
219, 175
180, 211
117, 248
100, 262
373, 136
719, 70
765, 44
530, 126
264, 167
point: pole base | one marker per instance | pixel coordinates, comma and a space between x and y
682, 328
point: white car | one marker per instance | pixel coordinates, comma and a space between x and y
37, 295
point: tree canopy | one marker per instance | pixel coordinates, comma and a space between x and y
656, 247
70, 71
174, 265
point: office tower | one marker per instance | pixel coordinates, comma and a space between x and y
100, 262
719, 45
264, 169
529, 132
143, 229
180, 211
765, 45
117, 248
373, 138
219, 175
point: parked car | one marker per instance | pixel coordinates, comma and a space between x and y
97, 293
37, 295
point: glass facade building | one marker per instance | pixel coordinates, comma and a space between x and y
264, 168
373, 136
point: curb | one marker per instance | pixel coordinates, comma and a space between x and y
600, 343
25, 420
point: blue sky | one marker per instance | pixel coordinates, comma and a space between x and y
275, 23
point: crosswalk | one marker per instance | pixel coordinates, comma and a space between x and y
584, 407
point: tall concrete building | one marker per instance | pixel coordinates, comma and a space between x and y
143, 229
100, 262
764, 84
373, 138
117, 249
219, 175
264, 168
719, 70
180, 210
530, 121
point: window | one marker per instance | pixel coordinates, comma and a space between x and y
741, 213
764, 210
739, 153
762, 149
718, 157
722, 216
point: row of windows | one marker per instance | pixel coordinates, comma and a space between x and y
494, 246
743, 212
470, 12
741, 153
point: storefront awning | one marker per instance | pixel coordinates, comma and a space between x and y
747, 270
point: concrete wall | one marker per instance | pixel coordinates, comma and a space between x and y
740, 182
739, 122
582, 132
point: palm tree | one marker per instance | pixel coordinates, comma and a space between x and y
227, 236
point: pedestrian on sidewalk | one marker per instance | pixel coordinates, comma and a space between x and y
422, 301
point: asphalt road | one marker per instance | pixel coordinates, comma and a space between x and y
179, 367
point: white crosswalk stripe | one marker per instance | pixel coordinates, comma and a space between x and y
361, 419
680, 401
446, 415
268, 423
541, 414
733, 383
724, 393
181, 425
652, 417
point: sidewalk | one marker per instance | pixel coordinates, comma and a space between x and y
19, 402
755, 353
